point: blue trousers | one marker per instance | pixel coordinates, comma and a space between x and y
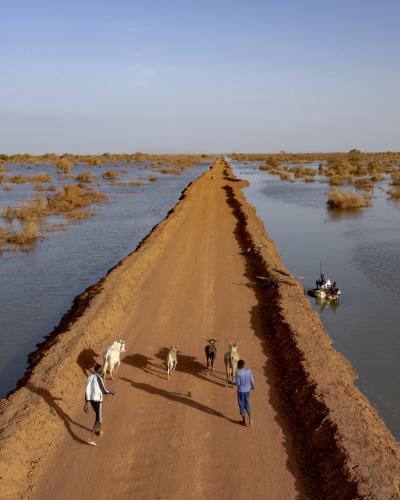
244, 405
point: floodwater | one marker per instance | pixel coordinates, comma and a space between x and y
38, 286
360, 250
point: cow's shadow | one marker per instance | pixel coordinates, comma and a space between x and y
186, 364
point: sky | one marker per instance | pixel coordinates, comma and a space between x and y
94, 76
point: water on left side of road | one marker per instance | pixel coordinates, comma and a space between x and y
37, 286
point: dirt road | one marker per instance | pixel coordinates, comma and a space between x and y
181, 439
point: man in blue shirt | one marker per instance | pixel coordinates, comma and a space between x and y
245, 384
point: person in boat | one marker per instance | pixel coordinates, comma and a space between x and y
334, 290
321, 281
327, 285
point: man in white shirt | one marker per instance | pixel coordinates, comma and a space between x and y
95, 389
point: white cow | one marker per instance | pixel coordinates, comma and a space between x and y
172, 360
231, 359
112, 357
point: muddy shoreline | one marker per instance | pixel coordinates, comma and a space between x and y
342, 442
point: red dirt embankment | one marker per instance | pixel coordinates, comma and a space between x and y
315, 435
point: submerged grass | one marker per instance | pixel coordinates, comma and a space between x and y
27, 235
31, 213
110, 174
2, 236
71, 197
364, 183
394, 192
85, 177
24, 179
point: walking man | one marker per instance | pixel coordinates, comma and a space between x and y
245, 384
95, 389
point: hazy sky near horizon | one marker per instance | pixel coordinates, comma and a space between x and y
173, 76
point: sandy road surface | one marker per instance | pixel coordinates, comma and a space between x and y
180, 439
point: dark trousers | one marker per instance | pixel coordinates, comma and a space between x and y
243, 401
97, 407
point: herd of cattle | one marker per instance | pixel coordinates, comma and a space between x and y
112, 358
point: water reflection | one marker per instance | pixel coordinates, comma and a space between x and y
338, 215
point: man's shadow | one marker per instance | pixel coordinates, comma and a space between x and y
176, 397
51, 402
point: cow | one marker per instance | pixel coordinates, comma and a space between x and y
231, 359
211, 353
112, 357
172, 360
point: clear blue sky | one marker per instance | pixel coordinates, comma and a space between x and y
198, 75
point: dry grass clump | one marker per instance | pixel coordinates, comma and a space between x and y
337, 180
270, 164
394, 192
71, 197
94, 160
27, 235
23, 179
309, 179
170, 171
7, 187
85, 177
80, 215
304, 171
120, 183
152, 178
41, 178
135, 183
377, 177
110, 174
364, 183
33, 209
395, 178
347, 199
174, 164
18, 179
40, 187
286, 176
64, 165
2, 236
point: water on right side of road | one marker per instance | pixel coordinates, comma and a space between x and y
358, 249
